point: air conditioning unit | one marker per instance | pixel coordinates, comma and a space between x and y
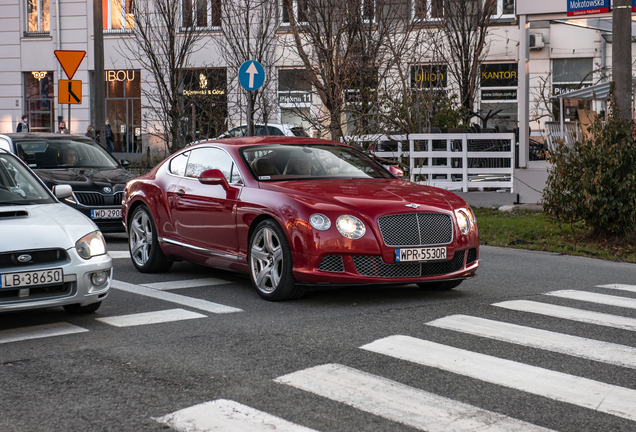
536, 41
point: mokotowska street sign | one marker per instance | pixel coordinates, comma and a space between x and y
587, 7
251, 75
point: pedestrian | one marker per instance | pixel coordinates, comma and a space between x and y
23, 126
62, 128
89, 132
109, 138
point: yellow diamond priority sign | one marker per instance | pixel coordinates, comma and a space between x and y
69, 92
70, 60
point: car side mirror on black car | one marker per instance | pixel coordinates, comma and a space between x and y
214, 177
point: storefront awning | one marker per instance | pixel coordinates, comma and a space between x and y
595, 92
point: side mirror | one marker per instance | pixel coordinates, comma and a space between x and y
214, 177
62, 191
124, 162
396, 171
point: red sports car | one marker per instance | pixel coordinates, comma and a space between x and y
296, 213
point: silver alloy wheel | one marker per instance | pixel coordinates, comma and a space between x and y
140, 239
266, 260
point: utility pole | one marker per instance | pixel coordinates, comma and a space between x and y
98, 92
622, 56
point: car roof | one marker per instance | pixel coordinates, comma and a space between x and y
265, 140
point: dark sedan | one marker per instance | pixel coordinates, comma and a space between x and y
97, 178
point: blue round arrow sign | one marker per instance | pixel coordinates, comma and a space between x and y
251, 75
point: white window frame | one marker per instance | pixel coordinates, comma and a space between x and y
281, 4
40, 15
429, 8
362, 8
124, 21
500, 12
210, 16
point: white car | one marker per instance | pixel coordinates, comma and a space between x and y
271, 129
50, 254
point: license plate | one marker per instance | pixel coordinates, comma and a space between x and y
32, 278
106, 214
420, 254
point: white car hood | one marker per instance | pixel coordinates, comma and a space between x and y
41, 227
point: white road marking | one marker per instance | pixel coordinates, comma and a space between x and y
150, 318
227, 416
569, 313
119, 254
587, 393
175, 298
185, 284
398, 402
605, 352
622, 287
591, 297
39, 331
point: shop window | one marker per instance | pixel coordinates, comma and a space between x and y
39, 100
201, 13
123, 108
38, 18
118, 15
570, 74
204, 94
300, 11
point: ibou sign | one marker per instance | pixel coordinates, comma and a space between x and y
587, 7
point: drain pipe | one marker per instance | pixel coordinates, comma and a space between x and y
59, 47
603, 63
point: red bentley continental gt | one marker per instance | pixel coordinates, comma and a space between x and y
296, 213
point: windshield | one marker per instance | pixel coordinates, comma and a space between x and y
63, 153
295, 162
18, 186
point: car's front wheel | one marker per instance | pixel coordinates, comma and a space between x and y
143, 243
271, 264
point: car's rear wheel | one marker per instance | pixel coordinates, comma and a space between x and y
441, 285
271, 264
143, 244
79, 309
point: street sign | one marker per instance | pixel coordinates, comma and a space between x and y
251, 75
70, 60
587, 7
69, 92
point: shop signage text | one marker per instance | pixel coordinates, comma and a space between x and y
294, 98
120, 75
499, 75
490, 95
423, 76
204, 92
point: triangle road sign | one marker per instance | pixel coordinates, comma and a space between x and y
70, 60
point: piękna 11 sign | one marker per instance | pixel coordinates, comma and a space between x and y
587, 7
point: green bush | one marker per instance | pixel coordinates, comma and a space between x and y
595, 180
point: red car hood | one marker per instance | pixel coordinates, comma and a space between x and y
370, 196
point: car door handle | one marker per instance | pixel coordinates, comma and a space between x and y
180, 192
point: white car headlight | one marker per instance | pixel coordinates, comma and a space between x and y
350, 226
320, 221
464, 218
91, 245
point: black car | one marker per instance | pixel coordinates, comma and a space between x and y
97, 178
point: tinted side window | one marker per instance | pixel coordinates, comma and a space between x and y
212, 158
274, 131
178, 164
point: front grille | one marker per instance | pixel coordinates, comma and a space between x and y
332, 263
119, 196
374, 266
90, 198
472, 256
416, 229
37, 293
42, 256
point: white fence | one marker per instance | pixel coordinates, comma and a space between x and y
451, 161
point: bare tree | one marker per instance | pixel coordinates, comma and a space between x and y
464, 25
163, 39
249, 33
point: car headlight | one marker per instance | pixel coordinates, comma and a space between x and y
464, 220
350, 226
320, 221
91, 245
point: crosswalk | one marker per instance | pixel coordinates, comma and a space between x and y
424, 410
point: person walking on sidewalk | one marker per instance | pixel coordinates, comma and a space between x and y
23, 126
109, 138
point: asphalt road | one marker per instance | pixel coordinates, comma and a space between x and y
356, 359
